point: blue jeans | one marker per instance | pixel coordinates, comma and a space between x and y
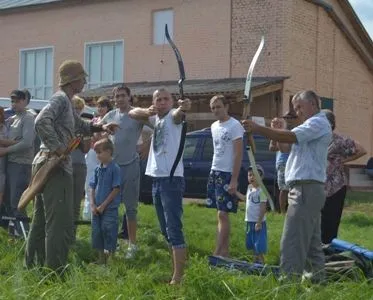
168, 202
105, 230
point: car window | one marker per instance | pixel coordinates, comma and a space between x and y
262, 150
190, 147
208, 149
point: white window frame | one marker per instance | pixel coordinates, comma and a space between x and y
86, 60
21, 70
170, 27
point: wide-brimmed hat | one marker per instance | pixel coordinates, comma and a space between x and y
70, 71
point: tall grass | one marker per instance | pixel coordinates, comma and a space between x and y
146, 276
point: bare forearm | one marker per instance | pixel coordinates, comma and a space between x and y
178, 115
240, 196
237, 166
140, 114
263, 208
360, 151
278, 135
93, 197
7, 143
111, 197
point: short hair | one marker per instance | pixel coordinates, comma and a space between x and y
260, 170
106, 102
78, 102
161, 90
28, 95
220, 97
105, 145
330, 116
125, 88
309, 96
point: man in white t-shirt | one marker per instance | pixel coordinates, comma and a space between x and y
167, 193
227, 135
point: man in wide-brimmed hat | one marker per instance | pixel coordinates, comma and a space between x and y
52, 228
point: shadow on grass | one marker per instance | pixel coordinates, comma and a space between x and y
358, 219
358, 198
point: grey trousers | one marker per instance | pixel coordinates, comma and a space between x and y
51, 230
79, 176
18, 178
301, 238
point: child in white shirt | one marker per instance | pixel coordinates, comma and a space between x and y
256, 227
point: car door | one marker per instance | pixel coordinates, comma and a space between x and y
190, 155
202, 166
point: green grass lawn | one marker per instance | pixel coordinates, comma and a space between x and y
145, 277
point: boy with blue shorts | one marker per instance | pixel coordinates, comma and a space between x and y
105, 200
227, 135
256, 227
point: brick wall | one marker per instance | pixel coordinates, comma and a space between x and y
250, 20
201, 32
324, 60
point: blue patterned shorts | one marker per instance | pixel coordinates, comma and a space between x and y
217, 192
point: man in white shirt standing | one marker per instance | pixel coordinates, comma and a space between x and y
305, 174
227, 136
167, 193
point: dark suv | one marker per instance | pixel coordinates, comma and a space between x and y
198, 152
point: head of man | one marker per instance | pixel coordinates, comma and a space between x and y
72, 75
122, 97
18, 100
219, 106
306, 104
162, 101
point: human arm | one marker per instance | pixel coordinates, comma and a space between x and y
240, 196
178, 114
359, 152
142, 114
93, 185
101, 208
27, 137
115, 185
263, 209
45, 121
7, 142
237, 161
93, 201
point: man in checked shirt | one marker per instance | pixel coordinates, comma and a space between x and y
52, 227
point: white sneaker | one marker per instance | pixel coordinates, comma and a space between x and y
131, 251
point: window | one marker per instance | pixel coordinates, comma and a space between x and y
326, 103
208, 149
160, 19
104, 63
190, 147
36, 72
